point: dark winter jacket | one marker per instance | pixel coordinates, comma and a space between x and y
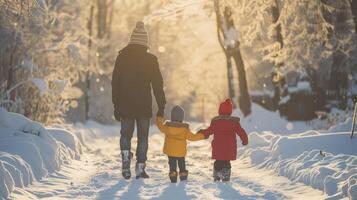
136, 71
224, 129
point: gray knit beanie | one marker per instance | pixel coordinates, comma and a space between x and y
177, 114
139, 35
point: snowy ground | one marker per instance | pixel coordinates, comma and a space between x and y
97, 176
279, 163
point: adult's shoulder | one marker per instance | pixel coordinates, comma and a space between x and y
121, 52
151, 56
152, 60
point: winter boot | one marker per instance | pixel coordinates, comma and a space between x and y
183, 175
126, 160
173, 176
140, 171
217, 174
226, 174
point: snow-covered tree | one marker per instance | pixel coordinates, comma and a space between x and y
228, 39
43, 42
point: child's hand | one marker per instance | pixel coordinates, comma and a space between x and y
244, 144
200, 131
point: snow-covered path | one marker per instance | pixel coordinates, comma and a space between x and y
97, 176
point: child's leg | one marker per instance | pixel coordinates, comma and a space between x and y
182, 164
173, 169
217, 170
226, 170
219, 164
173, 164
183, 171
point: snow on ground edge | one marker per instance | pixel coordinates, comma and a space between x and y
29, 151
327, 161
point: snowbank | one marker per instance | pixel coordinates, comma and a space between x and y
68, 139
29, 151
263, 120
345, 126
325, 161
336, 143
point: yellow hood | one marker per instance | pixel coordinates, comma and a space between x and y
176, 135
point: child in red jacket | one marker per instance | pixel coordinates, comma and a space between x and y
224, 144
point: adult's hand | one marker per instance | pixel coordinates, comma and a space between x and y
116, 114
160, 112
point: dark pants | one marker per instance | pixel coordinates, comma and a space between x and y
221, 164
174, 161
127, 130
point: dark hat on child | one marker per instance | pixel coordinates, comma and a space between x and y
177, 114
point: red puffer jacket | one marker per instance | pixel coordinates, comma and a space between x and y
224, 129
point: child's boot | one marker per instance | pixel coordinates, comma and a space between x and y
216, 175
226, 174
183, 175
126, 156
173, 176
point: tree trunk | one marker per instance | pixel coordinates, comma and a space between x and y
244, 98
354, 13
228, 57
230, 78
102, 18
11, 75
110, 21
10, 79
87, 81
279, 36
338, 73
280, 87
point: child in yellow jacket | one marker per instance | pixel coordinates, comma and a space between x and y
176, 135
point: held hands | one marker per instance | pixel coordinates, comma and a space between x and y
201, 131
160, 112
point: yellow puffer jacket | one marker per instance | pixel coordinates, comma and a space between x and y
175, 138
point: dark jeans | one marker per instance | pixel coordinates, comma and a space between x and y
127, 130
220, 164
173, 161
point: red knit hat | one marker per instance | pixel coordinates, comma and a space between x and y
226, 107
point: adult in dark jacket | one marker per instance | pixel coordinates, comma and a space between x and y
136, 72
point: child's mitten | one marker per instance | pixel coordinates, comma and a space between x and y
201, 131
